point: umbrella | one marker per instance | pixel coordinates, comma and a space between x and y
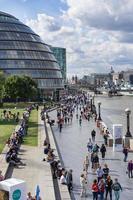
37, 192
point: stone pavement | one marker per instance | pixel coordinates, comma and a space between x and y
72, 143
36, 172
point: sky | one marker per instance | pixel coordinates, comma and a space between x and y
97, 34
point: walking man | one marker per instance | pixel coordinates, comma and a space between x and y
93, 135
117, 188
130, 169
69, 179
103, 151
125, 152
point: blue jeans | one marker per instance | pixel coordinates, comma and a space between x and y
117, 195
95, 195
101, 195
125, 157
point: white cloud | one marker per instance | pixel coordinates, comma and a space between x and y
94, 33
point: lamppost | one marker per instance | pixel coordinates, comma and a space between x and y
91, 105
93, 100
99, 110
128, 112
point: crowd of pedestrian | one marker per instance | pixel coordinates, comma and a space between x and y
103, 186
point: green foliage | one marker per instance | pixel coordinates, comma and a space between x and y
2, 81
20, 87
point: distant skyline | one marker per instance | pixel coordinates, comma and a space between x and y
97, 34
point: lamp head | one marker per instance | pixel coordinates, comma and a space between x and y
99, 102
127, 111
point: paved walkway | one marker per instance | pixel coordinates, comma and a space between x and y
72, 143
36, 172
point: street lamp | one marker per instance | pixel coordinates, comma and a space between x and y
99, 110
91, 104
128, 112
93, 100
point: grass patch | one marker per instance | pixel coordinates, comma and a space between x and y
17, 105
7, 127
32, 137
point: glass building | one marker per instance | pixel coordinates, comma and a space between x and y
22, 52
60, 55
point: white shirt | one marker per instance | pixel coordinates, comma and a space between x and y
63, 179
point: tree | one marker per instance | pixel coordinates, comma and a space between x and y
20, 87
2, 81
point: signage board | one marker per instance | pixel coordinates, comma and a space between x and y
117, 137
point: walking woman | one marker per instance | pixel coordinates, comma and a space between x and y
83, 183
95, 190
86, 165
101, 186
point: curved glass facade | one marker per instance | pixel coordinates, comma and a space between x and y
22, 52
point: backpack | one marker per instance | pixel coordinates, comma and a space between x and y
116, 186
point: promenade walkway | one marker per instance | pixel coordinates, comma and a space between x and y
36, 172
72, 143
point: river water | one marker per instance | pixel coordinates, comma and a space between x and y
113, 110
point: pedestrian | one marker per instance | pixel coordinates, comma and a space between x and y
99, 172
125, 152
105, 171
105, 137
61, 121
103, 151
108, 187
83, 183
29, 196
95, 161
130, 169
95, 148
1, 176
101, 187
69, 179
80, 120
95, 190
117, 188
93, 135
86, 165
90, 146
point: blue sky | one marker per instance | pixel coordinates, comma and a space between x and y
30, 8
97, 34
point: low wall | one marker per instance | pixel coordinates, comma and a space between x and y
63, 189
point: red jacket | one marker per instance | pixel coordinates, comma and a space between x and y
95, 187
